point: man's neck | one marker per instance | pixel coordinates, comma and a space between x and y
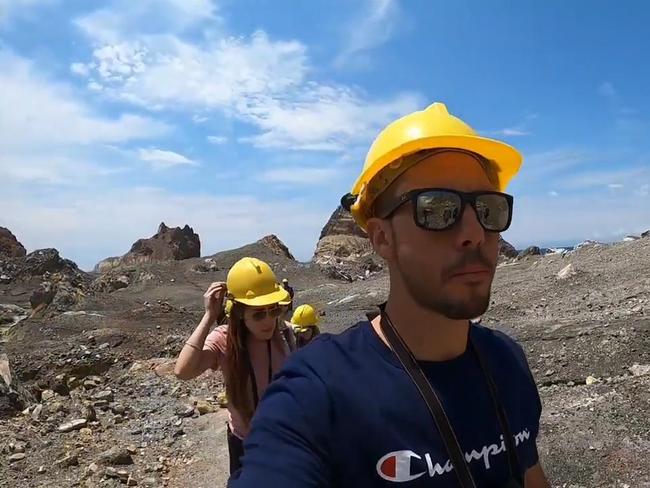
429, 335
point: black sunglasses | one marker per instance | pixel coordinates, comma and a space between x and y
440, 208
274, 313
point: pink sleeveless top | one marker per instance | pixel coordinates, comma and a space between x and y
259, 357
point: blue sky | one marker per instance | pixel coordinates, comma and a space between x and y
243, 118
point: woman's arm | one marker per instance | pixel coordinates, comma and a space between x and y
194, 358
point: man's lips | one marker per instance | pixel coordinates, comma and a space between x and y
471, 271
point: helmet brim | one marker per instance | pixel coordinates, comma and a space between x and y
277, 297
507, 159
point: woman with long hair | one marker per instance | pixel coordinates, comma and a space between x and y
249, 349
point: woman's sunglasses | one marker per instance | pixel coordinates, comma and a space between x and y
440, 208
273, 312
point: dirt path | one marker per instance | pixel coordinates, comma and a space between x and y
209, 467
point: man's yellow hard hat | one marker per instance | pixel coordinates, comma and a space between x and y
431, 128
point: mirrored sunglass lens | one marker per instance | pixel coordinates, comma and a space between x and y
493, 211
437, 210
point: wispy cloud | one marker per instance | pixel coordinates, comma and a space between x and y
517, 130
372, 27
632, 177
546, 165
36, 111
217, 140
298, 175
122, 20
50, 136
161, 159
258, 80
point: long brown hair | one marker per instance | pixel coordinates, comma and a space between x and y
237, 371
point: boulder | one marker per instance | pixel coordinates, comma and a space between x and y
168, 244
115, 456
42, 296
530, 251
506, 249
341, 247
43, 261
9, 245
344, 251
341, 223
278, 247
13, 397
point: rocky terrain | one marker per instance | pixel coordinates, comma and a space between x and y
87, 397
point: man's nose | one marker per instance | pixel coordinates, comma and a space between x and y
469, 232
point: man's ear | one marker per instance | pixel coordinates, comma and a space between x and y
381, 237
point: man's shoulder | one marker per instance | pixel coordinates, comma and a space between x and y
497, 344
327, 352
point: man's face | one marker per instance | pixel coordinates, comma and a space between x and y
448, 271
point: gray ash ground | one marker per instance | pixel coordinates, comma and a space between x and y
587, 338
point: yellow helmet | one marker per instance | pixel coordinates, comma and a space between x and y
430, 128
305, 316
252, 282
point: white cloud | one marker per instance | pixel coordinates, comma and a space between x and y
217, 140
124, 19
56, 167
547, 165
375, 25
615, 186
298, 175
36, 112
518, 130
514, 132
258, 80
160, 159
50, 136
553, 193
76, 222
80, 69
324, 119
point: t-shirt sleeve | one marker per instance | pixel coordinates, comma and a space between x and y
288, 445
215, 342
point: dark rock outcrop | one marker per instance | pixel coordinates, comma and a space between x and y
273, 243
168, 244
506, 249
530, 251
9, 245
341, 223
344, 251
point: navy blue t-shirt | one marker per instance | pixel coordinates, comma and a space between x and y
343, 413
